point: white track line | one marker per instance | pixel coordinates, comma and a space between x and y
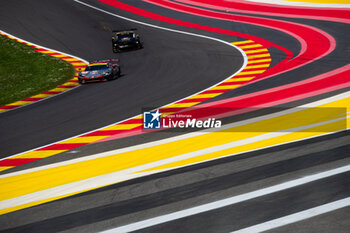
226, 202
131, 173
245, 60
302, 215
302, 4
194, 134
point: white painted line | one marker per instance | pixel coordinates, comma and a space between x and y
302, 4
245, 61
226, 202
185, 136
306, 214
133, 172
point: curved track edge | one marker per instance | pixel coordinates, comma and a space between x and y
259, 61
78, 64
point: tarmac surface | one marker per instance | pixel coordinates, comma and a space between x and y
170, 67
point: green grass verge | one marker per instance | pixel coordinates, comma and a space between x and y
24, 72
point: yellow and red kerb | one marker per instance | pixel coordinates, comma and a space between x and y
258, 62
77, 63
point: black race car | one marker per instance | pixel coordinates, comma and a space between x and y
125, 39
101, 70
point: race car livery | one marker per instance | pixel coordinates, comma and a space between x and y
102, 70
125, 39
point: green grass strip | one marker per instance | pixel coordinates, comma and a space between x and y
24, 72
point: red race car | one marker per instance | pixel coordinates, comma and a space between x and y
101, 70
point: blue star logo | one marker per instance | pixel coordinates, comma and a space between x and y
151, 120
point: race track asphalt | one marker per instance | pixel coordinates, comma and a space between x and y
71, 28
167, 192
170, 67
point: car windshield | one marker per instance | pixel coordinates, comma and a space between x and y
125, 35
96, 67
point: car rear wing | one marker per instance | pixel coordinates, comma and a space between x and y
106, 60
125, 30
